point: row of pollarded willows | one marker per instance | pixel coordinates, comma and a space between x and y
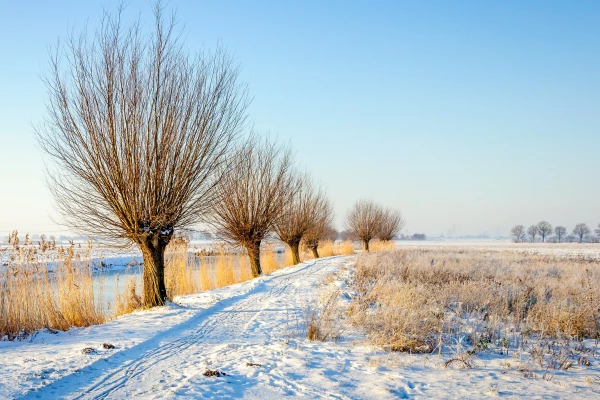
145, 139
428, 300
367, 220
581, 233
261, 193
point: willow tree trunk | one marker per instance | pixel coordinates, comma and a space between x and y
315, 251
254, 254
366, 245
154, 290
295, 246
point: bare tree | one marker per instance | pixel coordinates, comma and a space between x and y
560, 232
364, 221
597, 230
138, 131
518, 231
544, 229
321, 227
532, 231
300, 215
580, 231
391, 224
252, 195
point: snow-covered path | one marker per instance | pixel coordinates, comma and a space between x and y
171, 364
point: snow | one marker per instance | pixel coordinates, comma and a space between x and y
574, 250
163, 353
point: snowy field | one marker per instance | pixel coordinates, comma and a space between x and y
253, 332
590, 251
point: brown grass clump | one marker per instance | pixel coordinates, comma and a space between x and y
323, 322
179, 271
269, 259
224, 269
415, 300
326, 248
343, 248
382, 245
207, 275
245, 270
128, 301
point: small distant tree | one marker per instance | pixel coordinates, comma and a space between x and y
518, 231
560, 232
252, 195
321, 227
364, 221
544, 229
300, 215
580, 231
391, 224
598, 230
532, 231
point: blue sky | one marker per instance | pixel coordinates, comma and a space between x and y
475, 114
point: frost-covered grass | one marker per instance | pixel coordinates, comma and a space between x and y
544, 311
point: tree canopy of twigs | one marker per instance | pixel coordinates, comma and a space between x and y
580, 231
252, 195
518, 231
544, 229
321, 228
391, 224
364, 221
301, 214
137, 131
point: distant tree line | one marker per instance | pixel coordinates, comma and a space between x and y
543, 232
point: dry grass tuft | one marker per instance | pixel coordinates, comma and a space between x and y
343, 248
328, 248
380, 245
269, 259
323, 322
130, 300
179, 272
224, 269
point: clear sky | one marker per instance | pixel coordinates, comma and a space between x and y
473, 114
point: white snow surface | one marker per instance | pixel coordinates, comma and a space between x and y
163, 353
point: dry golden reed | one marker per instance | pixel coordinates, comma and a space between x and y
179, 271
381, 245
49, 286
44, 286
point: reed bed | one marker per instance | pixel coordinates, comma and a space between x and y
44, 286
422, 300
329, 248
47, 286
